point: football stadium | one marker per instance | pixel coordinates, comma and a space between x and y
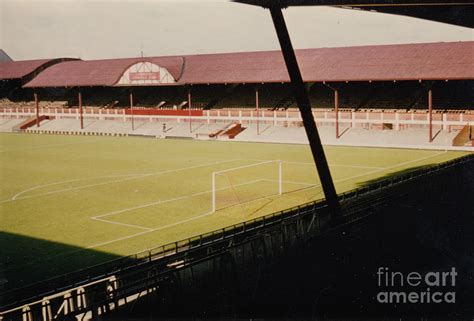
157, 183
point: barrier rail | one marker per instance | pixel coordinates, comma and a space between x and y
354, 119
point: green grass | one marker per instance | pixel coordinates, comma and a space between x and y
147, 192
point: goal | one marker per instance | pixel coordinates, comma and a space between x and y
245, 184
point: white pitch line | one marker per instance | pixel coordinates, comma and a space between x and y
338, 165
183, 221
119, 223
146, 229
122, 180
354, 166
69, 181
160, 227
245, 166
330, 165
206, 214
382, 169
390, 167
69, 189
169, 200
289, 182
341, 180
149, 231
116, 240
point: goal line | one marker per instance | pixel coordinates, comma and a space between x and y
252, 173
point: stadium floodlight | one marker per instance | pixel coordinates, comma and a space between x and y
248, 183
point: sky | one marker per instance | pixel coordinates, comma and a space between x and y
101, 29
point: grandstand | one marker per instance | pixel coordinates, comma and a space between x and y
253, 89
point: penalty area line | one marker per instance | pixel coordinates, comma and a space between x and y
149, 230
138, 176
209, 213
391, 167
380, 170
310, 186
169, 200
71, 181
330, 165
119, 223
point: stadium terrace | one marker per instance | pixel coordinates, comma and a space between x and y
410, 86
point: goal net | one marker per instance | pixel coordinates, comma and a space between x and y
245, 184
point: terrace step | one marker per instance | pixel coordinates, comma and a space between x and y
233, 131
465, 137
29, 123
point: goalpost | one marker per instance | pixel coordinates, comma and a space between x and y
246, 183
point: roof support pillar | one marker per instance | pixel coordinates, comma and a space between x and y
430, 115
336, 110
189, 109
131, 109
79, 97
37, 108
305, 109
257, 103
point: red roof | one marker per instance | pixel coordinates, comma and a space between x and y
386, 62
98, 72
22, 68
428, 61
18, 69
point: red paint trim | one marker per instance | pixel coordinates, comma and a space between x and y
146, 112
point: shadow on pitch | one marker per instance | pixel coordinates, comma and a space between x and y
393, 175
25, 261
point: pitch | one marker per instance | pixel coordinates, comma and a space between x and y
67, 202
